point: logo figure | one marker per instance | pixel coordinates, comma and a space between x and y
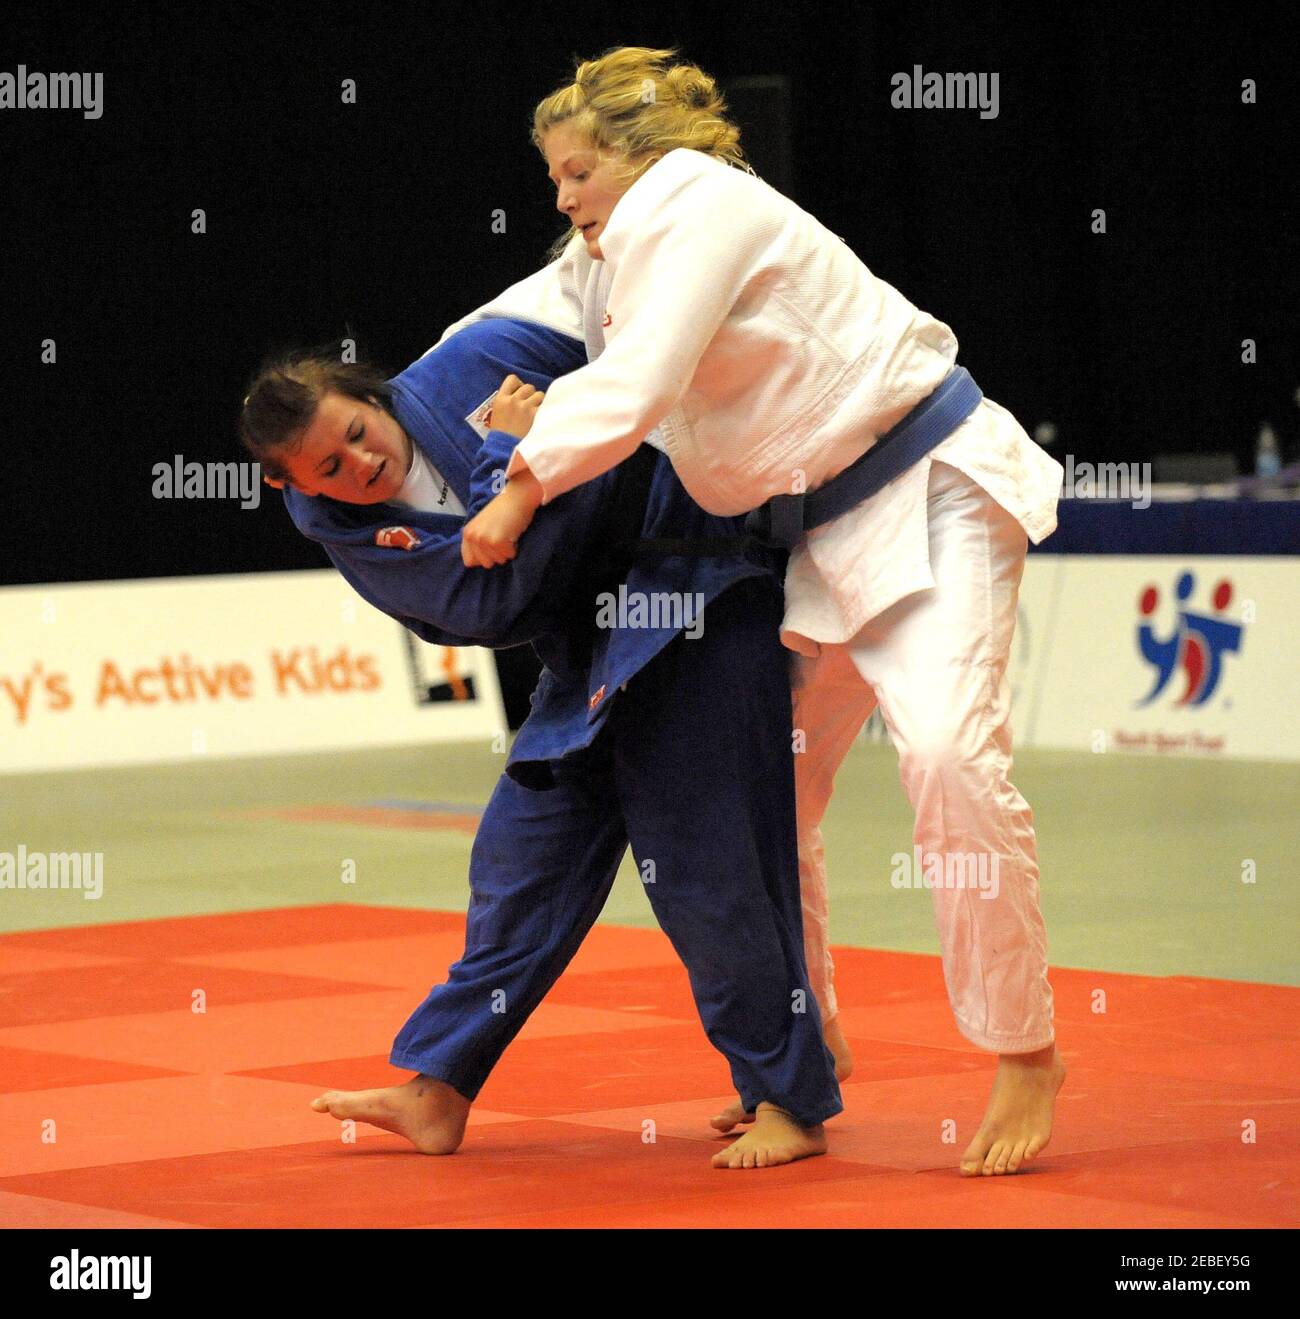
397, 538
1197, 644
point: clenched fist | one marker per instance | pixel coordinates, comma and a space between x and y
514, 407
489, 538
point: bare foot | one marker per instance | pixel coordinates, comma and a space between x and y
735, 1115
429, 1113
774, 1138
1018, 1122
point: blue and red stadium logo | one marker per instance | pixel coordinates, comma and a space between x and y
1197, 644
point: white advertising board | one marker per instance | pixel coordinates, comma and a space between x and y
119, 673
1160, 654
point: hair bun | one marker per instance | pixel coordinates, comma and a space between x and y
585, 76
692, 86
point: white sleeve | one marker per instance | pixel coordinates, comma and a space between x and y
683, 254
551, 296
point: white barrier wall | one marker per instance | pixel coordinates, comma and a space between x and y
135, 672
138, 672
1220, 675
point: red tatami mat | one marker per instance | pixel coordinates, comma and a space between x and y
122, 1105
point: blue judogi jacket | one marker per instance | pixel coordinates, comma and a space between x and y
533, 598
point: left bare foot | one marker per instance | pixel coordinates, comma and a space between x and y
1018, 1122
774, 1138
428, 1112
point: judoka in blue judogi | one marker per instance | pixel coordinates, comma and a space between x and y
639, 733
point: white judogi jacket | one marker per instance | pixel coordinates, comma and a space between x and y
770, 358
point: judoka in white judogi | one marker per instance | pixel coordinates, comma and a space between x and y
769, 358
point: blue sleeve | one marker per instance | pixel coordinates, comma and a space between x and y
428, 589
367, 578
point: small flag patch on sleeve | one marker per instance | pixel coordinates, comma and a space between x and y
481, 418
397, 538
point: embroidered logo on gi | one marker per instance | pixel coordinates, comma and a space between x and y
397, 538
596, 698
608, 321
1197, 642
480, 419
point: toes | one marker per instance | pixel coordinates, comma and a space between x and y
972, 1161
736, 1156
741, 1154
991, 1160
1017, 1157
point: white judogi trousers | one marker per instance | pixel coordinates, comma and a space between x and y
936, 662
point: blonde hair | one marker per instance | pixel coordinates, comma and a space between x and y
637, 103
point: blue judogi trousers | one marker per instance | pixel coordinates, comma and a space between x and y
693, 768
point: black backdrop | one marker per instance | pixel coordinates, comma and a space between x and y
375, 218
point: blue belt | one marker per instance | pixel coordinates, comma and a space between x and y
782, 521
